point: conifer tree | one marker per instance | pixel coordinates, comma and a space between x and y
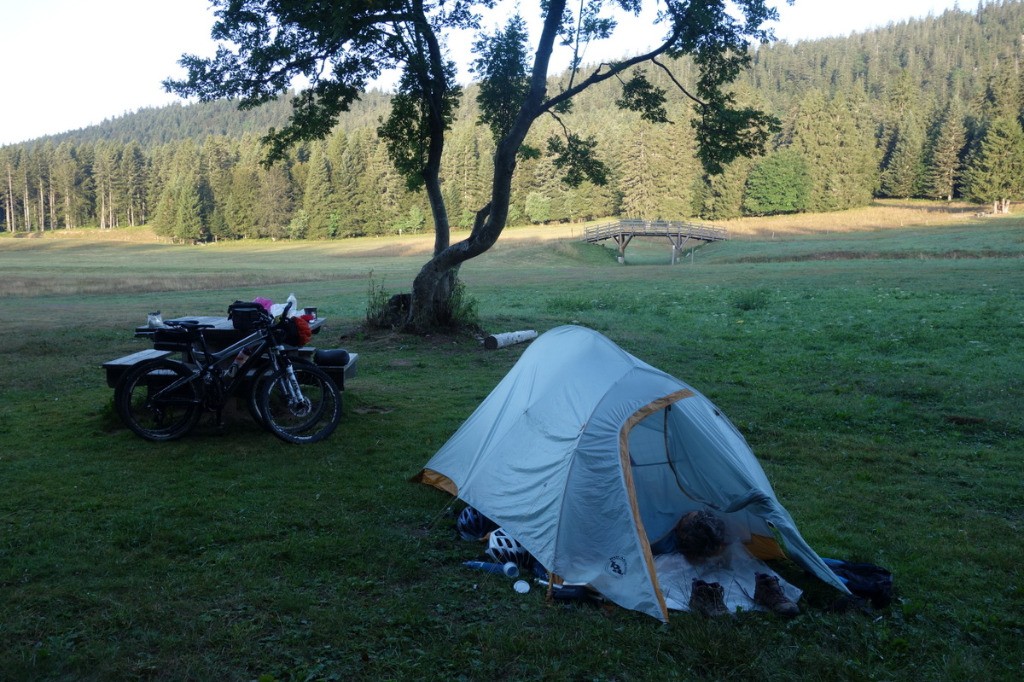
943, 158
277, 200
165, 216
836, 139
184, 207
8, 160
995, 173
67, 174
103, 172
190, 219
724, 196
385, 188
1003, 96
217, 156
243, 203
634, 181
132, 171
654, 169
318, 201
160, 169
903, 170
547, 190
468, 153
590, 201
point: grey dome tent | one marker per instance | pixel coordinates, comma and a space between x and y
587, 455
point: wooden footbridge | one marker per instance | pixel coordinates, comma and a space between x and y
678, 233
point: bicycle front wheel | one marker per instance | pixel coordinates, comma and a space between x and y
300, 404
260, 377
158, 400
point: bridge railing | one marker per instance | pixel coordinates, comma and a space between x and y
654, 228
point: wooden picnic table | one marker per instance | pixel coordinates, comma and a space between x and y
220, 332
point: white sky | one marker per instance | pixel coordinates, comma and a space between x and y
68, 64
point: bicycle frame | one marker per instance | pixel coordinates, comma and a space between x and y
203, 362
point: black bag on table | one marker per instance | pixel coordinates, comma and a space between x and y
246, 316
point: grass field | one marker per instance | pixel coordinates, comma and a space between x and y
877, 374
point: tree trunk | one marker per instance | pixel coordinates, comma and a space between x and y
432, 289
27, 208
53, 205
42, 207
431, 305
12, 223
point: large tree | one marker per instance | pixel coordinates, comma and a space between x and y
341, 46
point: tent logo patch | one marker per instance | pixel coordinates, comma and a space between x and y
617, 566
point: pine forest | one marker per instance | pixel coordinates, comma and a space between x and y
926, 108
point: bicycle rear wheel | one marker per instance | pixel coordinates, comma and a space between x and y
158, 400
305, 409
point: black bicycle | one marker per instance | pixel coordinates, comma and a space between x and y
163, 399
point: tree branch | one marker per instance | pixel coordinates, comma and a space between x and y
614, 69
679, 85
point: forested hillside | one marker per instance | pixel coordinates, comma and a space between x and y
925, 108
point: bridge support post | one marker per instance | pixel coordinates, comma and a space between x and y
678, 241
622, 240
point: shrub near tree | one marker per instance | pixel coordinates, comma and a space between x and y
778, 183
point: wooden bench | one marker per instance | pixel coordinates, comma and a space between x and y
115, 368
341, 374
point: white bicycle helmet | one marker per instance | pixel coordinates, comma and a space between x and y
503, 548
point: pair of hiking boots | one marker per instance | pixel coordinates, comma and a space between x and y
708, 599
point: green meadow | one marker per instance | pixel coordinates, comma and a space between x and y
877, 374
